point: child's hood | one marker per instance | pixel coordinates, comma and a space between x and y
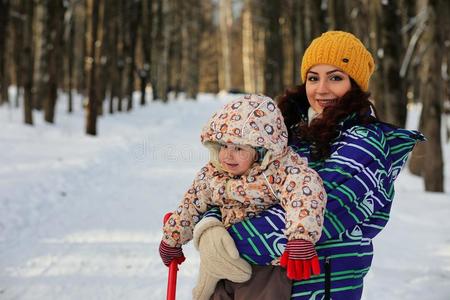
253, 120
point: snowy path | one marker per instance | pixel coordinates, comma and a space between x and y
80, 217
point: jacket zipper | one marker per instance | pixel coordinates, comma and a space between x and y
327, 279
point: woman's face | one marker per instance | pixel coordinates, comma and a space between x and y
325, 85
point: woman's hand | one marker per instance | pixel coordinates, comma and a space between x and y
300, 260
219, 257
218, 253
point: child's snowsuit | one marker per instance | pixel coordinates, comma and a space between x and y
282, 177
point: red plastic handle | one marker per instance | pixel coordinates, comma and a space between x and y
173, 269
172, 280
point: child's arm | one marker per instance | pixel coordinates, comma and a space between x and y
179, 227
303, 196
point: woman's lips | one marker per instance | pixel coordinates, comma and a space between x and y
326, 102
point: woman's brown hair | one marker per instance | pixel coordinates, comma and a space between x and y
321, 132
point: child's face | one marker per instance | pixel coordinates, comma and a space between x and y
236, 159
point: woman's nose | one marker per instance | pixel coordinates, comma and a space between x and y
322, 87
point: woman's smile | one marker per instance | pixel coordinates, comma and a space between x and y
326, 102
325, 85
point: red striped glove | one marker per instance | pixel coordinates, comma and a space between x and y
169, 253
299, 259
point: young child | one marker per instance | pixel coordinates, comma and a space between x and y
251, 168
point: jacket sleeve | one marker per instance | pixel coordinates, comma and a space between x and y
179, 227
303, 197
359, 182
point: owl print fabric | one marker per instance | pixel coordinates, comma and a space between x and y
281, 177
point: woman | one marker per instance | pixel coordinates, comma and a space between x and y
333, 124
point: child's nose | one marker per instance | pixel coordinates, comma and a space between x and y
228, 153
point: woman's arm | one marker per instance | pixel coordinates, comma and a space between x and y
359, 177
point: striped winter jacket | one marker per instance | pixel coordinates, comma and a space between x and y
359, 179
281, 177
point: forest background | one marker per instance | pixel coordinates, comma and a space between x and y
105, 50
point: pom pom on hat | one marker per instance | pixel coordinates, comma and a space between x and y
343, 50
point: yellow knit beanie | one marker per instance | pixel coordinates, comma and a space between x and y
343, 50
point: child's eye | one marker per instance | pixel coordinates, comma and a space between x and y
224, 146
238, 148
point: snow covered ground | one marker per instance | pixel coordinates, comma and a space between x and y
80, 216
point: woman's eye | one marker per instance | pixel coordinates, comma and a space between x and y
238, 149
312, 78
336, 78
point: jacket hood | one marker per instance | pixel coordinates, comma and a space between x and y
253, 120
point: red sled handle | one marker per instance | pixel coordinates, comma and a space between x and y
172, 280
173, 269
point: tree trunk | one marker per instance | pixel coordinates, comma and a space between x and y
446, 75
113, 69
248, 48
299, 38
254, 47
273, 49
42, 89
376, 82
432, 98
70, 57
177, 59
287, 40
17, 25
80, 20
91, 114
120, 63
358, 11
208, 64
103, 54
147, 45
338, 18
314, 21
417, 160
161, 57
27, 66
226, 23
133, 18
188, 44
4, 17
54, 24
394, 95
